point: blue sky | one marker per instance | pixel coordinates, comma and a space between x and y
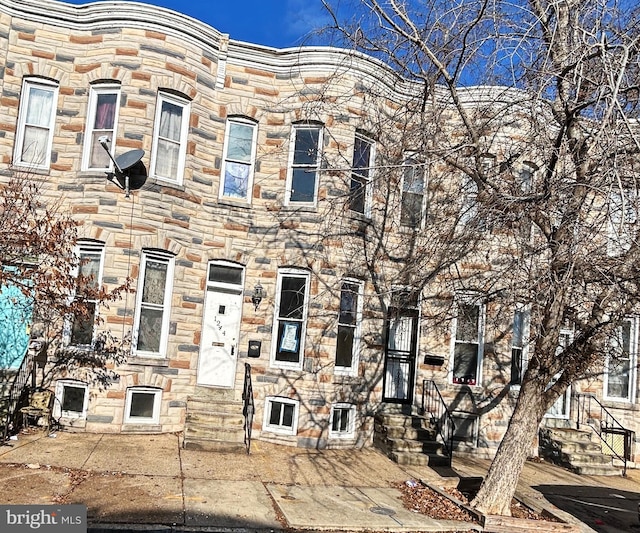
278, 23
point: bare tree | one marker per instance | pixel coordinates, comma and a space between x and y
42, 278
532, 106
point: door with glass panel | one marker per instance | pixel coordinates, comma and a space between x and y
221, 326
562, 406
400, 355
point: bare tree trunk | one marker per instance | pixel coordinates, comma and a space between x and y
499, 486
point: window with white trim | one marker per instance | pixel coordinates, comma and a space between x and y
623, 221
281, 415
361, 173
349, 319
142, 405
305, 152
170, 132
519, 335
524, 176
102, 118
291, 316
412, 208
90, 256
71, 400
153, 305
468, 343
238, 161
343, 421
469, 197
465, 434
620, 375
36, 119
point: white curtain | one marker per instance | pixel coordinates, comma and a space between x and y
36, 127
169, 140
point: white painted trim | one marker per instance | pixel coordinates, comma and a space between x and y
28, 84
157, 401
155, 255
283, 430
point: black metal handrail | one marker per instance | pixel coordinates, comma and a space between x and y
248, 407
434, 404
17, 389
604, 424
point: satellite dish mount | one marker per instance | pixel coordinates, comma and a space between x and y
129, 171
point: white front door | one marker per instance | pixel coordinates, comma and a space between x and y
219, 342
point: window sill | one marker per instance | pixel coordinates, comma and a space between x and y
231, 202
159, 182
280, 432
26, 169
616, 403
147, 361
72, 421
283, 366
302, 208
345, 378
131, 427
361, 217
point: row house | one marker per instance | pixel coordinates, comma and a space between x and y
266, 171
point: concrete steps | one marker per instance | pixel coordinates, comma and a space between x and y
214, 421
408, 439
574, 449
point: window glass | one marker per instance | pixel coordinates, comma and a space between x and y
101, 122
153, 304
73, 398
348, 320
290, 318
35, 125
304, 164
292, 297
411, 212
280, 415
467, 345
225, 274
142, 404
619, 369
89, 278
238, 160
360, 175
170, 138
520, 320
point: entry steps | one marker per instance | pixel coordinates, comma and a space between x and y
214, 421
408, 439
574, 449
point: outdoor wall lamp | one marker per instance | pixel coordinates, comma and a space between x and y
258, 294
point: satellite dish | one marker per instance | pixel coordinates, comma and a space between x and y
131, 166
130, 173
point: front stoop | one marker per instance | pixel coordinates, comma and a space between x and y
408, 439
574, 449
214, 421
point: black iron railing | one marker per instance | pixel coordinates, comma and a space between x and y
19, 386
248, 407
434, 405
614, 436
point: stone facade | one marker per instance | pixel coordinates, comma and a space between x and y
141, 52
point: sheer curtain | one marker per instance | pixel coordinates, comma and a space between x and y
103, 124
169, 140
36, 127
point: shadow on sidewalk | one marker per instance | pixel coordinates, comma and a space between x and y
604, 509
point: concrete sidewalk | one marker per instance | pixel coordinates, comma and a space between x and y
150, 482
150, 479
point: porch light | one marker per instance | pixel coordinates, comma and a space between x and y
258, 294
